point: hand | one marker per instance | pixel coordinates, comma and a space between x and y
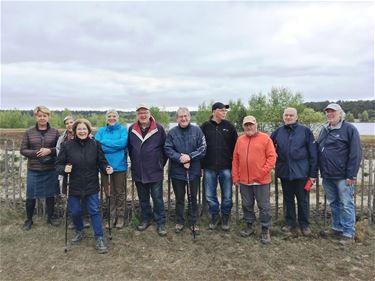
43, 152
68, 168
109, 170
187, 165
184, 158
313, 180
350, 182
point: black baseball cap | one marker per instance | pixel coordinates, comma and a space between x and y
219, 105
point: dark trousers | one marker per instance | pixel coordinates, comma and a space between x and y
291, 189
155, 189
179, 191
30, 207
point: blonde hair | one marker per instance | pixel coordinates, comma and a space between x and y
79, 121
42, 109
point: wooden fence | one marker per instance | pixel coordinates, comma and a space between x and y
13, 171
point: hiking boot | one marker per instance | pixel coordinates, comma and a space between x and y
78, 236
265, 236
287, 229
215, 221
178, 228
247, 231
346, 241
306, 231
161, 230
53, 222
120, 222
143, 226
225, 223
27, 225
100, 246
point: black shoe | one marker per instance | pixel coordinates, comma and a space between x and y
78, 236
161, 230
143, 226
247, 231
225, 223
53, 222
265, 236
215, 221
27, 225
100, 246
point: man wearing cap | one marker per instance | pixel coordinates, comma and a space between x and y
340, 155
221, 138
146, 151
297, 162
254, 157
114, 140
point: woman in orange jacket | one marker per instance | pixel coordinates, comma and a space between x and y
254, 157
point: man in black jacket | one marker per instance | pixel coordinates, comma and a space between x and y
221, 138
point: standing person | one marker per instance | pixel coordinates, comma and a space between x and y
68, 133
253, 159
297, 161
340, 155
114, 139
221, 138
81, 157
146, 151
185, 146
39, 146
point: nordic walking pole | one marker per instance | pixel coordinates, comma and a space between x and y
66, 212
109, 208
190, 202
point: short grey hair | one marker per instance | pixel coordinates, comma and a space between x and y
182, 110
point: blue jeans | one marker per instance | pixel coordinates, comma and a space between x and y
156, 190
340, 198
211, 178
92, 205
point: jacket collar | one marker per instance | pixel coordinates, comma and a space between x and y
138, 131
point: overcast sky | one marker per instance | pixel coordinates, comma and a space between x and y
100, 55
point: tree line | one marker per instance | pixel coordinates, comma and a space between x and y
267, 108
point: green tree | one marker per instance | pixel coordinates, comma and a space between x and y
204, 112
160, 116
365, 116
268, 110
237, 112
349, 117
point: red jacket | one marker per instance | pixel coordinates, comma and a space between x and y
253, 159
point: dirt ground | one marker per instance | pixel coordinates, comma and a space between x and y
38, 254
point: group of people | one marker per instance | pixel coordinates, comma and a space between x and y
214, 149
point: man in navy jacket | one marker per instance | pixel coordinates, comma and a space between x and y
185, 146
146, 151
297, 161
340, 155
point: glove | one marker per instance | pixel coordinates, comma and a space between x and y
308, 185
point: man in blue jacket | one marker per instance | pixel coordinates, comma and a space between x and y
146, 151
185, 147
297, 162
340, 155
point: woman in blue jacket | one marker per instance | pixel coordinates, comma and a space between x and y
114, 140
